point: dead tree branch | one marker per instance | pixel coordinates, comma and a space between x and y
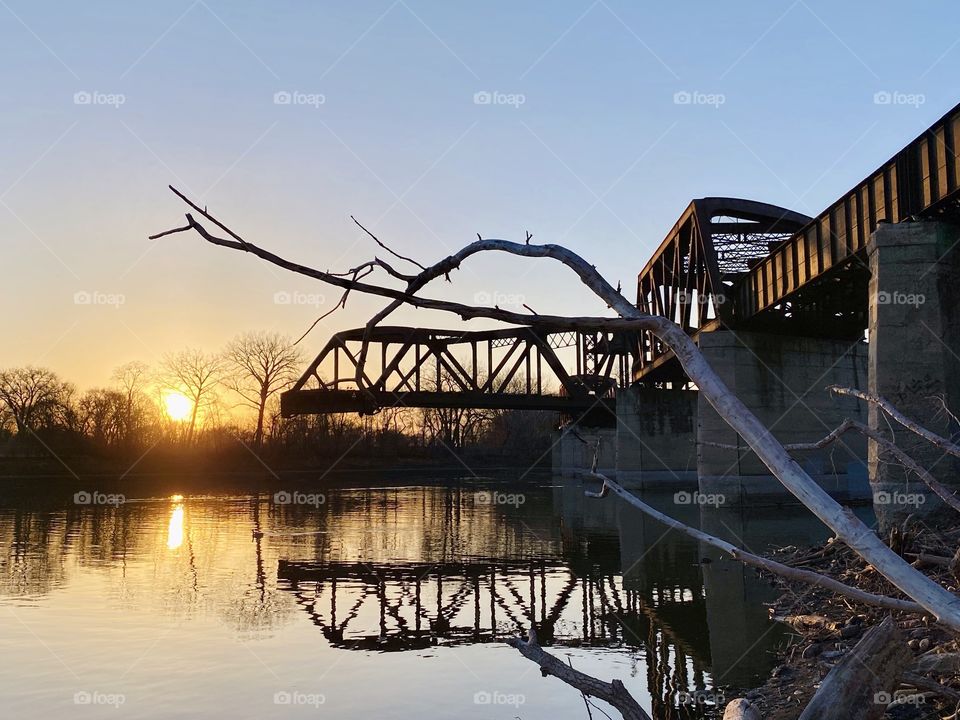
748, 558
612, 692
902, 457
944, 605
941, 442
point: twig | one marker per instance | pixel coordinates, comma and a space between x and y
888, 407
389, 250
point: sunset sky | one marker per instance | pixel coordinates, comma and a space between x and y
428, 121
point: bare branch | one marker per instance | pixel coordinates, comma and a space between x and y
612, 692
805, 576
389, 250
848, 527
908, 462
888, 407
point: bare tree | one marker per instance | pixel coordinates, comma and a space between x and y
195, 374
850, 529
132, 380
36, 398
259, 365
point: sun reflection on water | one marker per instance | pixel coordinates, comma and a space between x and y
175, 528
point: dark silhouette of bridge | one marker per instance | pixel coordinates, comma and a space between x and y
727, 263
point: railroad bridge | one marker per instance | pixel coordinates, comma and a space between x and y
865, 294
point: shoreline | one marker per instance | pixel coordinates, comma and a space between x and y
825, 626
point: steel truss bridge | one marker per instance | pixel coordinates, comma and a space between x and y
726, 263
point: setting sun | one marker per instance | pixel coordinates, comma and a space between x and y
177, 405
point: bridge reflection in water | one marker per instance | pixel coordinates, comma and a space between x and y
605, 577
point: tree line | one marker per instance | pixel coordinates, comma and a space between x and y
230, 401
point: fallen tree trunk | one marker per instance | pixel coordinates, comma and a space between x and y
861, 685
942, 604
612, 692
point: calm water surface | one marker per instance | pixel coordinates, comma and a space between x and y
391, 598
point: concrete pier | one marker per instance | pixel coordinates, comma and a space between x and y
914, 356
656, 438
782, 379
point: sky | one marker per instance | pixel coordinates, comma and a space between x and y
590, 124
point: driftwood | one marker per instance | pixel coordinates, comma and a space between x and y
612, 692
791, 573
741, 709
861, 685
933, 597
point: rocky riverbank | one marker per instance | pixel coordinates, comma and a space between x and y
826, 626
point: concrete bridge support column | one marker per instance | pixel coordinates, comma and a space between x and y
782, 379
656, 438
914, 355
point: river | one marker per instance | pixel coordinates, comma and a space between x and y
382, 595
